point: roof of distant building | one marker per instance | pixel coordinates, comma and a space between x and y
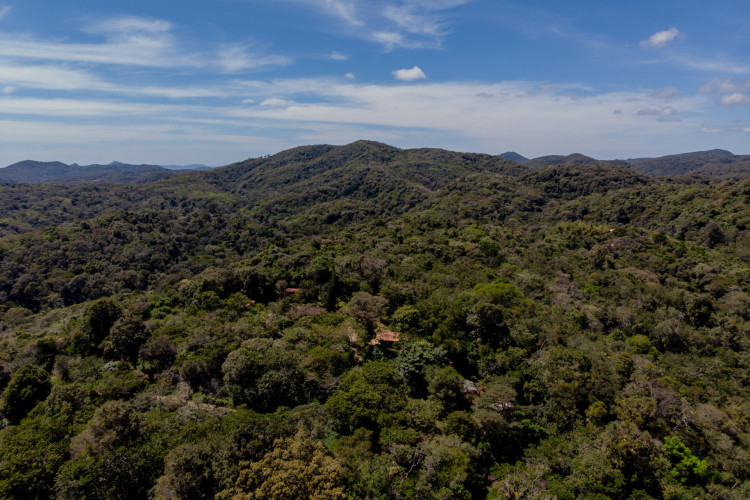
388, 336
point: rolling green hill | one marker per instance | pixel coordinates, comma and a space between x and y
565, 331
716, 163
37, 172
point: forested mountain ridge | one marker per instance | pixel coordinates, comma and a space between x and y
571, 331
716, 163
39, 172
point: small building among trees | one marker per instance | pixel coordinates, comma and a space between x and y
386, 338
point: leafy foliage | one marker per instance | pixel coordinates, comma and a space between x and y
572, 331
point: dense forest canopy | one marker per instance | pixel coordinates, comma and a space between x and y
566, 331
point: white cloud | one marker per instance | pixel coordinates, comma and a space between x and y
58, 107
519, 113
409, 75
4, 11
421, 17
128, 27
391, 39
128, 40
406, 18
235, 58
53, 77
666, 94
407, 24
345, 10
735, 99
660, 38
737, 126
713, 65
338, 56
64, 133
276, 102
134, 41
48, 77
708, 88
724, 86
649, 112
455, 115
665, 114
350, 76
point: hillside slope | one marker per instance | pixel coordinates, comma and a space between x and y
38, 172
373, 322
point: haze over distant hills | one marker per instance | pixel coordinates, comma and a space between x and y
717, 163
37, 172
714, 163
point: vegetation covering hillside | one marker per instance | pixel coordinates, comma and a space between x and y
38, 172
571, 331
716, 163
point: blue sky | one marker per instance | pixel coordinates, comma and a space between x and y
219, 81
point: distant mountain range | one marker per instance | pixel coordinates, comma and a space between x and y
717, 163
714, 163
38, 172
193, 166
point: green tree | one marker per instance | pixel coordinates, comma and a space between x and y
685, 467
412, 361
297, 468
367, 309
28, 385
157, 354
98, 319
113, 424
187, 475
446, 385
125, 337
242, 369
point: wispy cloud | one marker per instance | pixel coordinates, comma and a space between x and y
666, 94
394, 24
660, 38
134, 41
345, 10
128, 27
235, 58
4, 11
733, 93
410, 20
61, 78
48, 77
392, 39
737, 126
409, 75
338, 56
79, 108
519, 112
735, 99
724, 86
667, 113
460, 115
712, 65
127, 40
